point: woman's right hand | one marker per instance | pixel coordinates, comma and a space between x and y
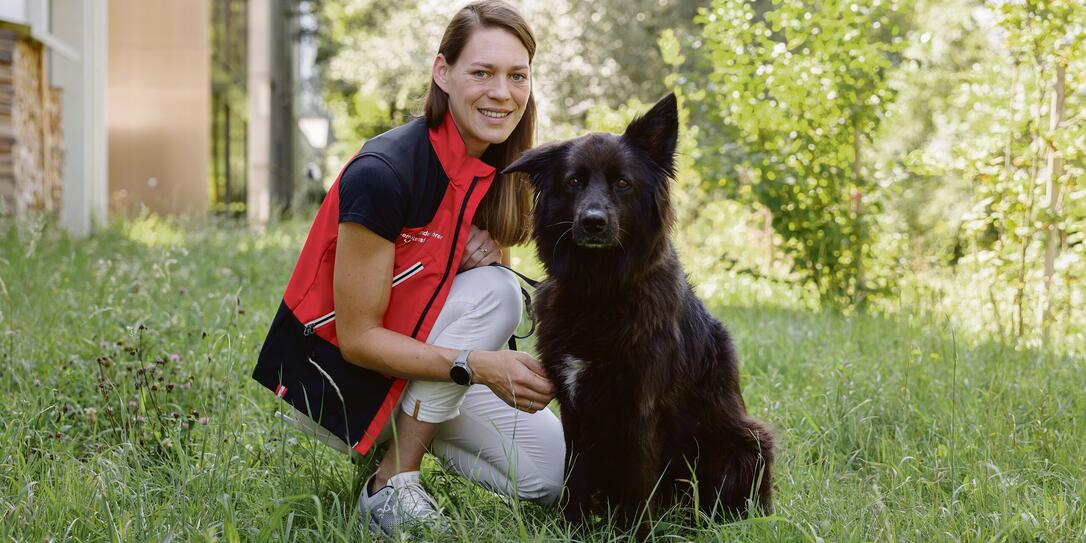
515, 377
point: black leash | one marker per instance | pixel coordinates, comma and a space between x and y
527, 303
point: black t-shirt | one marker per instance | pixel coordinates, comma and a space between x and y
372, 194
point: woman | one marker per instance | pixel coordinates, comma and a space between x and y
393, 322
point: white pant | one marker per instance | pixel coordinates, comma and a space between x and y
481, 437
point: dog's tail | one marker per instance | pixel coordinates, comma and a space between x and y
745, 484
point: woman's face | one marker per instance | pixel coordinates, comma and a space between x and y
488, 87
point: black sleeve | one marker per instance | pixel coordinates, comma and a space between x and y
371, 194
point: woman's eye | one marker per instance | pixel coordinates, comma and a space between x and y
572, 182
622, 184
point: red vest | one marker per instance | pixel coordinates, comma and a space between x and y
300, 360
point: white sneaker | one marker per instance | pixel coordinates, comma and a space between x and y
399, 506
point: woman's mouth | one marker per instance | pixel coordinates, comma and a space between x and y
495, 114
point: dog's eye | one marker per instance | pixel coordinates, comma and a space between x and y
573, 182
622, 184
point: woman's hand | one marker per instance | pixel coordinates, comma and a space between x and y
515, 377
480, 250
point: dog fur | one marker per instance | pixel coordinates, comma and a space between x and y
647, 380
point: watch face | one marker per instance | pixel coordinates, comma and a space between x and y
460, 375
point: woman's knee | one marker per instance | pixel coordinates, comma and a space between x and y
495, 293
542, 488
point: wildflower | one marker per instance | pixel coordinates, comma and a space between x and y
186, 385
104, 344
141, 418
174, 357
37, 382
91, 413
185, 425
182, 290
202, 421
132, 404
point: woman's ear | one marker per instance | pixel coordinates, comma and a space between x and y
440, 72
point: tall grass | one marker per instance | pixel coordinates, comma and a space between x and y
129, 415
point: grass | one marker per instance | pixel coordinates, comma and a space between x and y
129, 415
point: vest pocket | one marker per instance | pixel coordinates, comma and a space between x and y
407, 273
323, 320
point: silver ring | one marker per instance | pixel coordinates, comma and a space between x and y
531, 404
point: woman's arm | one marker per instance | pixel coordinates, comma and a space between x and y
362, 286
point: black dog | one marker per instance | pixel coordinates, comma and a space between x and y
647, 379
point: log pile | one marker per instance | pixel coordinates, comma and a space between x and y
31, 143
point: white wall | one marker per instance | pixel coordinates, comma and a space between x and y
14, 11
81, 74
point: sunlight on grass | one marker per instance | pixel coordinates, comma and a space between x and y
154, 231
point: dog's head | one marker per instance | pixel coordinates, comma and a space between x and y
605, 193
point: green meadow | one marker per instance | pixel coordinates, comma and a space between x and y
129, 415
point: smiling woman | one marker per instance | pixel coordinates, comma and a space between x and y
392, 323
491, 84
482, 77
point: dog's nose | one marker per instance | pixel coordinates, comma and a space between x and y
594, 221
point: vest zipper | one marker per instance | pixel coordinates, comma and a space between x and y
452, 252
317, 323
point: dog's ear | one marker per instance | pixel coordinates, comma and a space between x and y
536, 161
657, 133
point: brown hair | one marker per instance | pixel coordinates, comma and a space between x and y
505, 210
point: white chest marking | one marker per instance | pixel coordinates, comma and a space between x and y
570, 372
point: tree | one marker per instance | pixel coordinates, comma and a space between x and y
1006, 126
805, 83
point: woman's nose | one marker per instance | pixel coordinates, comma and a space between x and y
499, 90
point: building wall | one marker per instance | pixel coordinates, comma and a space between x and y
159, 102
78, 65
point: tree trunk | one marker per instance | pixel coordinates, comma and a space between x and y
861, 234
1052, 189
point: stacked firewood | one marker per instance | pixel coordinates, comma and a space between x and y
31, 145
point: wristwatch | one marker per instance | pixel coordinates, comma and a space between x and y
460, 371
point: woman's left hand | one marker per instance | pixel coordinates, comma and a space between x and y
480, 250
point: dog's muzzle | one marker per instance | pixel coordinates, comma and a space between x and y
594, 230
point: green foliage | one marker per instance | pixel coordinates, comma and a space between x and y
806, 85
375, 59
718, 239
997, 137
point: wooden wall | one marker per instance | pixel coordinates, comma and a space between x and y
31, 142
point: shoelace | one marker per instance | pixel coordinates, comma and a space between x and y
417, 499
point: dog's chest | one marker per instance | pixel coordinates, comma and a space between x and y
596, 384
570, 371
